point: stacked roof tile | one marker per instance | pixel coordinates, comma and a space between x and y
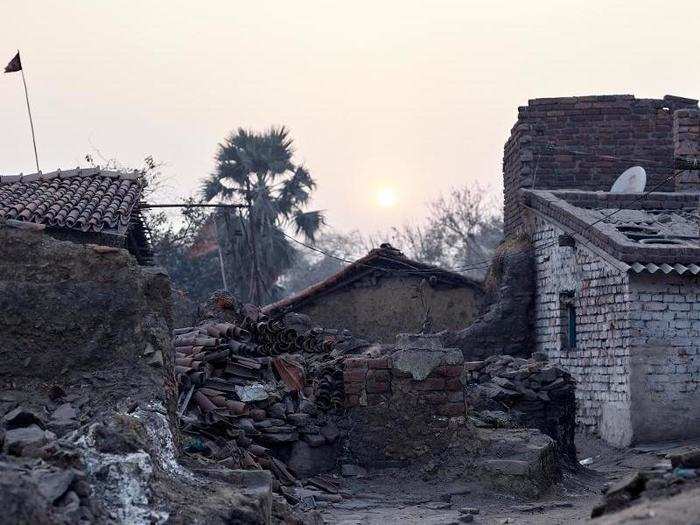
88, 200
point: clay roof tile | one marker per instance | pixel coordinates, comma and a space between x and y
89, 199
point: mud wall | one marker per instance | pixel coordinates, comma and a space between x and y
506, 326
73, 312
379, 310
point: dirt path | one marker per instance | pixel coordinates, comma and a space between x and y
406, 496
393, 495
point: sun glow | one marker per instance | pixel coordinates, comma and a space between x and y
386, 197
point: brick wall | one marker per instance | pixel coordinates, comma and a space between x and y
619, 125
371, 382
600, 361
665, 356
686, 142
637, 354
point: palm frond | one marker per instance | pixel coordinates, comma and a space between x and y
308, 223
210, 187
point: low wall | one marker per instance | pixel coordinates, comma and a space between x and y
407, 403
371, 382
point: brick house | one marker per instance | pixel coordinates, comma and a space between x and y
617, 299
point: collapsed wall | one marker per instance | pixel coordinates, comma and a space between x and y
506, 421
506, 326
88, 399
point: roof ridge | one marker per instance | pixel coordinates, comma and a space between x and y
386, 253
66, 174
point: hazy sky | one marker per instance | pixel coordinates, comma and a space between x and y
385, 95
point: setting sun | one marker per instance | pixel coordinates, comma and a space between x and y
386, 197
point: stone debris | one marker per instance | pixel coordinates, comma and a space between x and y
21, 417
26, 441
41, 479
681, 472
505, 392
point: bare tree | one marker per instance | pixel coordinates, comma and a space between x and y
462, 231
312, 266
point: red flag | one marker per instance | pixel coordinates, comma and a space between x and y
206, 241
14, 65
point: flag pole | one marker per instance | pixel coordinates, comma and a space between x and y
31, 122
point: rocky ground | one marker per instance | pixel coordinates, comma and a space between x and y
416, 496
64, 469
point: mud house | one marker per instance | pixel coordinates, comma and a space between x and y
379, 296
617, 299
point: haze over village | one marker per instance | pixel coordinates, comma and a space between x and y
259, 262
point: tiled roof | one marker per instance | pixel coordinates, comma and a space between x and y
657, 232
89, 200
385, 260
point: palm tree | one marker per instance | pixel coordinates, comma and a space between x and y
256, 169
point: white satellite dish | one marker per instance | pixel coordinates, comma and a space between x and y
632, 180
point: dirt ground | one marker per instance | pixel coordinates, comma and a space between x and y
401, 495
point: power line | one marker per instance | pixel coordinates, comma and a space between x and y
195, 205
479, 264
485, 263
413, 270
548, 147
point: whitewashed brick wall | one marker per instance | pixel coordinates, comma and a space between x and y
637, 355
600, 361
665, 314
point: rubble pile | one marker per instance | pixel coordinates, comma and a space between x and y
254, 394
42, 480
506, 391
677, 472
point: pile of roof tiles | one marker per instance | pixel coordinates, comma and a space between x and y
250, 389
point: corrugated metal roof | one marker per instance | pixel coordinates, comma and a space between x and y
678, 268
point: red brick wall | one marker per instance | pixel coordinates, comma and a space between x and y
370, 382
686, 141
619, 125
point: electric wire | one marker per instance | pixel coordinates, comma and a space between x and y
485, 263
